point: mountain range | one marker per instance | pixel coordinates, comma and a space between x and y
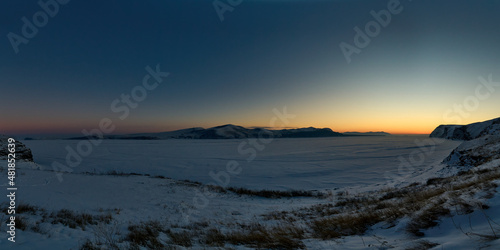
230, 131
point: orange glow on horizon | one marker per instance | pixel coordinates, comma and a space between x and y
422, 125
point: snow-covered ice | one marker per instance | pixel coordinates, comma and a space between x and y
305, 163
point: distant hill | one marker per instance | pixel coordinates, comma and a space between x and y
306, 132
467, 132
230, 131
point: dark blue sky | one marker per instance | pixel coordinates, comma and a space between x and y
264, 55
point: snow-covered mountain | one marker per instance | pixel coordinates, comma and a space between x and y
21, 151
229, 131
306, 132
467, 132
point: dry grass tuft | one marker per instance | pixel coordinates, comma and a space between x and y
73, 219
182, 238
344, 225
279, 237
145, 234
427, 219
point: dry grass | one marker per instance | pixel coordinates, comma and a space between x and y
74, 219
278, 237
285, 236
427, 218
21, 223
423, 204
145, 234
275, 194
182, 238
344, 225
213, 237
24, 208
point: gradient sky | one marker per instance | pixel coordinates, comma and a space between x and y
264, 55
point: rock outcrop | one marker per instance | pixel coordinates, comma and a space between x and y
467, 132
475, 153
481, 144
22, 152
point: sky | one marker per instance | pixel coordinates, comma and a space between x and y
420, 69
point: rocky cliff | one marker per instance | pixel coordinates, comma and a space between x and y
481, 146
467, 132
22, 152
